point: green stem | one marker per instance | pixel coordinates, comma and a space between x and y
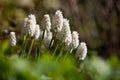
54, 35
78, 62
40, 44
68, 51
60, 54
41, 41
36, 53
25, 41
55, 49
25, 36
30, 48
74, 58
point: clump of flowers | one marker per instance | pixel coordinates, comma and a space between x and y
53, 35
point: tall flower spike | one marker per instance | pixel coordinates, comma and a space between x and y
57, 21
12, 38
65, 33
75, 39
81, 51
29, 25
37, 32
45, 23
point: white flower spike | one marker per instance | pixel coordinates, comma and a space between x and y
75, 39
37, 32
12, 38
66, 32
57, 21
46, 23
81, 51
29, 25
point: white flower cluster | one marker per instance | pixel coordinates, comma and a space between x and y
57, 21
81, 51
37, 31
30, 24
46, 23
62, 27
12, 38
47, 28
30, 27
75, 39
65, 33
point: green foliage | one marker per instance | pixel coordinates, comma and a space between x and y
4, 46
115, 64
48, 68
45, 68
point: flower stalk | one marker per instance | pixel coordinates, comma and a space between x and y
32, 43
25, 41
54, 36
60, 54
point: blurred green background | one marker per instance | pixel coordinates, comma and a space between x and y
97, 22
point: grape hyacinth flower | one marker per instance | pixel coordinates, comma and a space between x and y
75, 39
57, 21
12, 38
29, 25
46, 23
81, 51
37, 32
65, 33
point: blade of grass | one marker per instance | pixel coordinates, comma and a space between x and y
28, 55
40, 43
25, 41
60, 54
54, 35
55, 49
